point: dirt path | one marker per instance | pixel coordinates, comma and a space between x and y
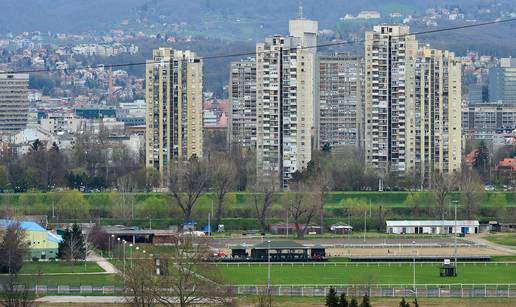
502, 248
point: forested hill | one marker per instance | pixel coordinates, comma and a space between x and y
240, 18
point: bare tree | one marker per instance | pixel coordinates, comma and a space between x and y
441, 187
302, 208
187, 181
472, 192
321, 188
263, 198
13, 249
264, 297
224, 178
187, 279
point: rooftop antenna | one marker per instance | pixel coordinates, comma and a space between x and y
301, 10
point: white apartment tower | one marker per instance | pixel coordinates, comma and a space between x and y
412, 105
434, 140
242, 103
174, 107
284, 91
14, 102
390, 54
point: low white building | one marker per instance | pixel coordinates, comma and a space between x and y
433, 227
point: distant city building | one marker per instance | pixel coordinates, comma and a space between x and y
242, 103
95, 112
57, 122
174, 107
413, 105
502, 82
14, 102
340, 100
486, 121
477, 93
285, 103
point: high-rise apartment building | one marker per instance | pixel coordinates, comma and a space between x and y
433, 121
413, 105
502, 82
14, 102
242, 103
390, 54
284, 94
174, 107
339, 116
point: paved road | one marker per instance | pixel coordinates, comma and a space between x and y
103, 263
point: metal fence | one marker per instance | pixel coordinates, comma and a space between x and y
457, 290
376, 290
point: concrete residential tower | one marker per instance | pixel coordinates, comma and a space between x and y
14, 102
390, 54
340, 100
242, 101
284, 88
174, 107
434, 135
413, 105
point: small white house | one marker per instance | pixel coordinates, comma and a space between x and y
433, 227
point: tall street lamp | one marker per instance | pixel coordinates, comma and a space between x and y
414, 271
268, 265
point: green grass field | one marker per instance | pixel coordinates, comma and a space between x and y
70, 280
59, 267
351, 273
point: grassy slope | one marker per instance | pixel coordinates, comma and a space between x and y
238, 200
59, 267
372, 273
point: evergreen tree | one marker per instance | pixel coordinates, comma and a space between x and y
331, 298
404, 303
353, 303
343, 301
365, 301
73, 246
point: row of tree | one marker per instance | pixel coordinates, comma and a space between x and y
334, 300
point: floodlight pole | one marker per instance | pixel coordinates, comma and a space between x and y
455, 236
414, 271
268, 265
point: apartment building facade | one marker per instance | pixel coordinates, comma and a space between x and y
284, 91
242, 104
339, 114
14, 102
174, 123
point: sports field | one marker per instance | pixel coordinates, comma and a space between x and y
351, 273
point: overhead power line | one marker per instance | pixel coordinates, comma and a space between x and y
244, 54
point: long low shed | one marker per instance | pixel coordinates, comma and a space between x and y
433, 227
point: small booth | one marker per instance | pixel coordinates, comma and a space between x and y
318, 252
448, 269
239, 252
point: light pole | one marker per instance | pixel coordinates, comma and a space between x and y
455, 235
110, 249
131, 253
414, 271
125, 242
268, 265
118, 247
